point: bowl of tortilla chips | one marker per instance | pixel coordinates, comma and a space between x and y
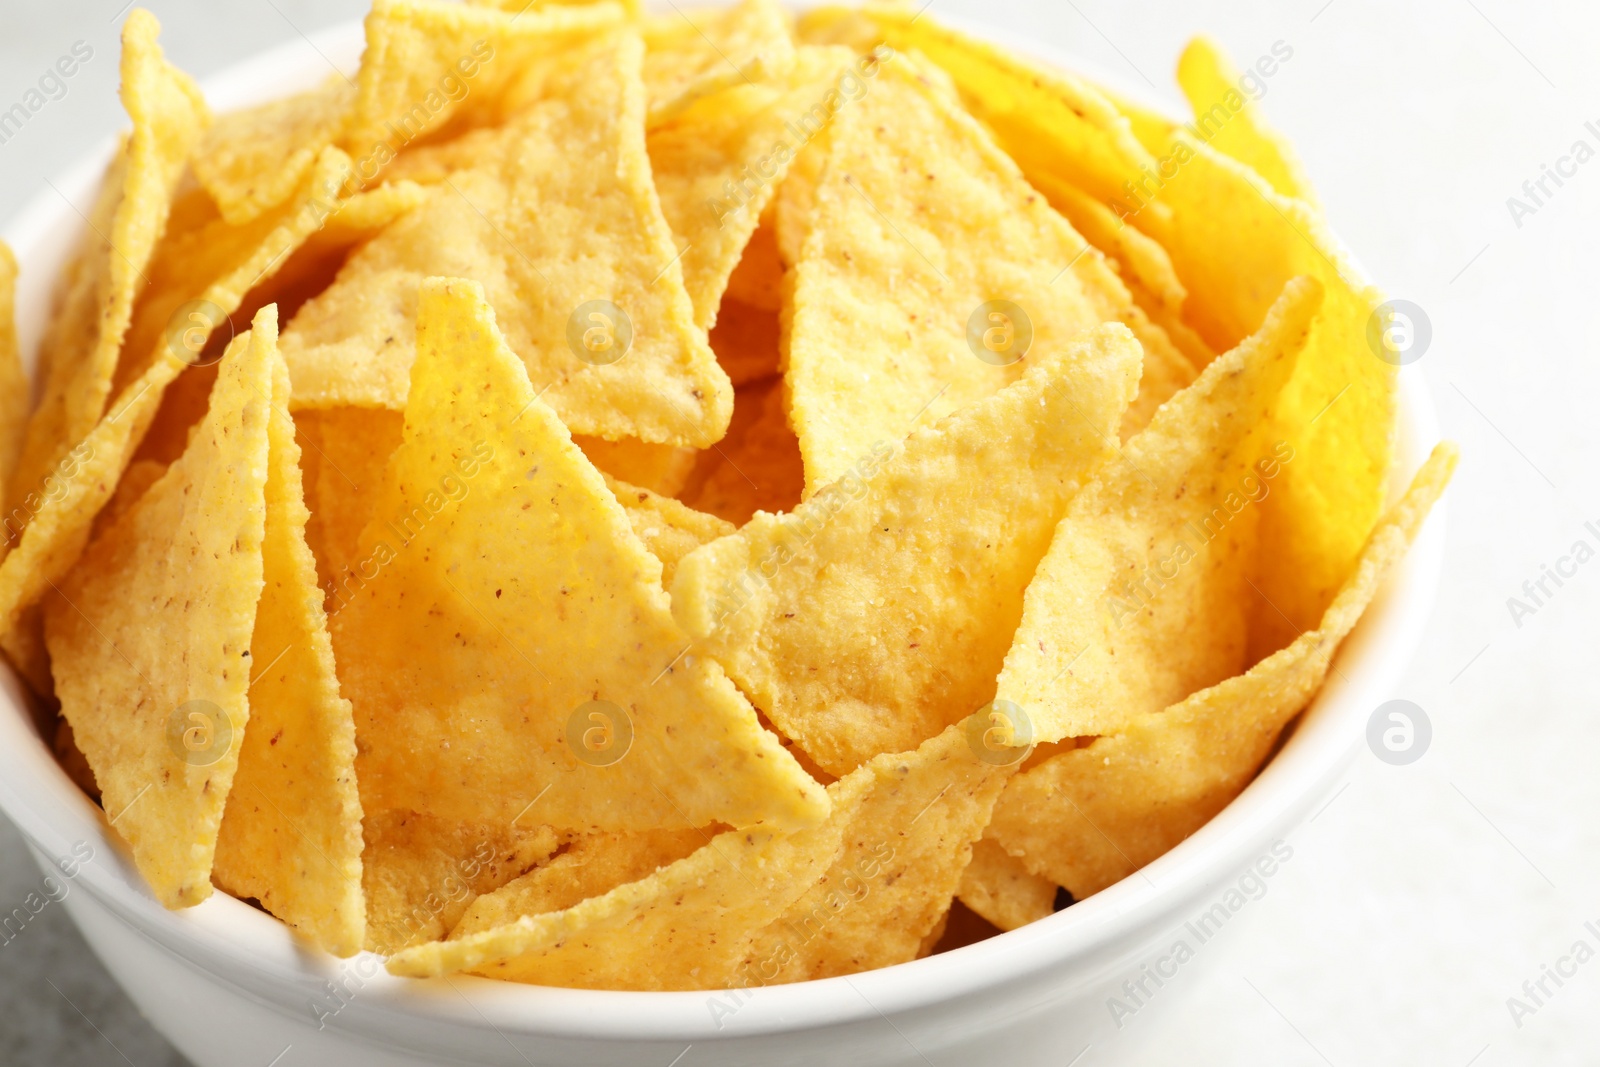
553, 533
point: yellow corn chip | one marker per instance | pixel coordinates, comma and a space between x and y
291, 830
1166, 371
659, 468
420, 874
150, 637
1144, 262
428, 63
668, 529
1144, 597
746, 340
1227, 119
252, 160
924, 239
168, 116
1337, 413
906, 842
16, 392
563, 229
756, 467
878, 612
136, 481
1051, 122
717, 165
757, 279
1091, 816
1000, 888
696, 52
492, 527
594, 865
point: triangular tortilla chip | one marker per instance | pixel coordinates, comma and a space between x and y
1144, 595
491, 527
168, 116
1228, 120
16, 392
251, 160
150, 637
895, 270
757, 279
345, 451
878, 612
1091, 816
693, 53
1337, 413
757, 467
421, 873
428, 63
718, 163
666, 527
1000, 888
291, 831
1143, 261
906, 842
561, 218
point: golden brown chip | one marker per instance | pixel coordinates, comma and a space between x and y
150, 636
16, 392
72, 760
420, 874
1000, 888
594, 865
566, 686
251, 160
757, 467
694, 52
291, 830
1227, 119
1091, 816
931, 272
562, 227
878, 612
1144, 595
80, 354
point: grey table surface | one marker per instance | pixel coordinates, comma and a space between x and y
1420, 898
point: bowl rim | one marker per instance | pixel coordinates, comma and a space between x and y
243, 947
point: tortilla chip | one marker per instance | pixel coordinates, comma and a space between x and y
291, 830
136, 481
1144, 595
1228, 120
757, 279
16, 391
80, 357
757, 467
429, 63
1091, 816
72, 760
668, 529
562, 219
1000, 888
905, 578
746, 340
594, 865
906, 842
150, 637
895, 270
659, 468
1165, 372
1050, 121
692, 54
345, 453
1143, 262
718, 164
1337, 413
492, 524
420, 874
252, 160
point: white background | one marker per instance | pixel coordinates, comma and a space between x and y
1421, 897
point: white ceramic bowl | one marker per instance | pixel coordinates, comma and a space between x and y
228, 985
